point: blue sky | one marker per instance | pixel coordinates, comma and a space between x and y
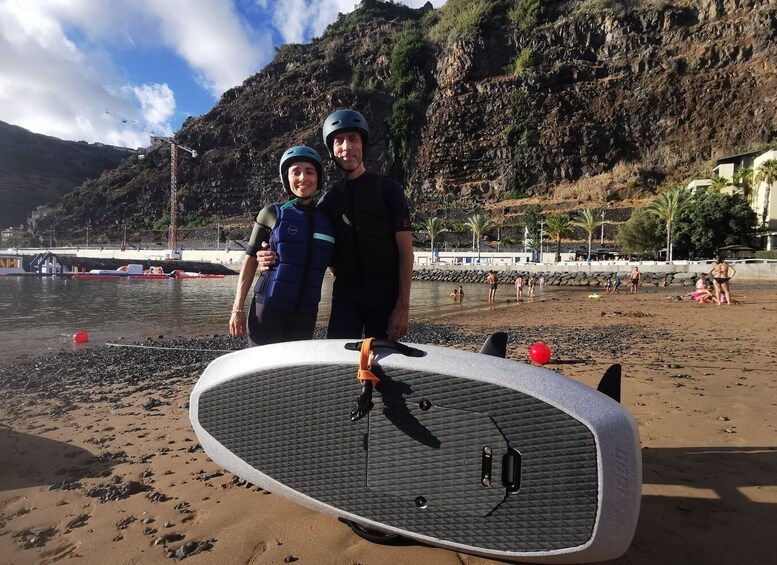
149, 63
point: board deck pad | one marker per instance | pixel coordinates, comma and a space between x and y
416, 464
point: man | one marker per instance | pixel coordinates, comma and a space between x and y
373, 255
721, 274
634, 278
492, 284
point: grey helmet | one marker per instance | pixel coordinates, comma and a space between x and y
343, 120
300, 153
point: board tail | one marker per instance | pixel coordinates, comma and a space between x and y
610, 384
495, 345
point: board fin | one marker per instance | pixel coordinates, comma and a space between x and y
495, 345
610, 384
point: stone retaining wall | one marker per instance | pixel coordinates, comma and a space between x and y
592, 279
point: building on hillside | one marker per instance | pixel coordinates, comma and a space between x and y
766, 210
159, 140
697, 184
727, 167
11, 235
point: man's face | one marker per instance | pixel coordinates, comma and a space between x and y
347, 149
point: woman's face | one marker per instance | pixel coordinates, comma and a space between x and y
303, 179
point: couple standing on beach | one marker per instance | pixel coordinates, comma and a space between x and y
360, 229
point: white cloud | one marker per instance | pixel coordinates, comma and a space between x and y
210, 36
157, 105
299, 20
58, 69
48, 85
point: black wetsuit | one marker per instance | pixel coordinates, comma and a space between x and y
366, 213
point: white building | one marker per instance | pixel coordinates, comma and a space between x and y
759, 203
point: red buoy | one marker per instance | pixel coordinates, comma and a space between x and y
80, 337
539, 353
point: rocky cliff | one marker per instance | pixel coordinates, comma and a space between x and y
36, 169
479, 101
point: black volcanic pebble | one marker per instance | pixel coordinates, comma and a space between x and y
78, 522
117, 492
36, 537
192, 548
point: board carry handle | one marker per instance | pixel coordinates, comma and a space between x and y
387, 344
368, 379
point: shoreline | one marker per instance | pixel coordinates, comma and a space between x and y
102, 462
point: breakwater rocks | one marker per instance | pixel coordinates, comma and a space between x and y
594, 278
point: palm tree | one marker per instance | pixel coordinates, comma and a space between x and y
588, 219
433, 227
666, 206
718, 183
478, 224
744, 178
767, 173
556, 228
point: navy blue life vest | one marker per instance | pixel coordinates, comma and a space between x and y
304, 241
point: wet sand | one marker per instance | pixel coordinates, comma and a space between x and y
98, 461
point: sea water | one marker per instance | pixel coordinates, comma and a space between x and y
41, 314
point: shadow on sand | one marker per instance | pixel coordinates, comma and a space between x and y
27, 460
707, 505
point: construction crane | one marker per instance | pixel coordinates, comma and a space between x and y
172, 236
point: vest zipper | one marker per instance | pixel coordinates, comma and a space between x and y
350, 193
308, 259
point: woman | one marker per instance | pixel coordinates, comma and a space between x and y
286, 296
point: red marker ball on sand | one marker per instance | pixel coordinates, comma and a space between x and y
80, 337
539, 353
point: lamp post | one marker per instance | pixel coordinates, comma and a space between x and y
87, 233
602, 240
542, 224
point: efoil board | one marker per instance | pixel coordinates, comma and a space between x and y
470, 452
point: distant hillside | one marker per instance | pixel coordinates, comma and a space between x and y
481, 105
36, 169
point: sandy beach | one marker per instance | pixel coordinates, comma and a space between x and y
98, 462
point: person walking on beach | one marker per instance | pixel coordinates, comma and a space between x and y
532, 283
286, 296
616, 286
634, 278
460, 293
373, 253
519, 287
721, 274
492, 284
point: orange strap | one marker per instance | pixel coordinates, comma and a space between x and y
365, 363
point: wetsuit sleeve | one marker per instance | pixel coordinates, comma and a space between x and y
394, 198
263, 225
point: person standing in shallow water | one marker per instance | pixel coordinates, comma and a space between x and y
286, 296
492, 284
373, 256
519, 287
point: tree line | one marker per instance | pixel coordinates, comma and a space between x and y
698, 223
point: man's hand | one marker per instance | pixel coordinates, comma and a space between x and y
237, 324
265, 257
397, 326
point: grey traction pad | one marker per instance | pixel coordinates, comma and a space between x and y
292, 425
